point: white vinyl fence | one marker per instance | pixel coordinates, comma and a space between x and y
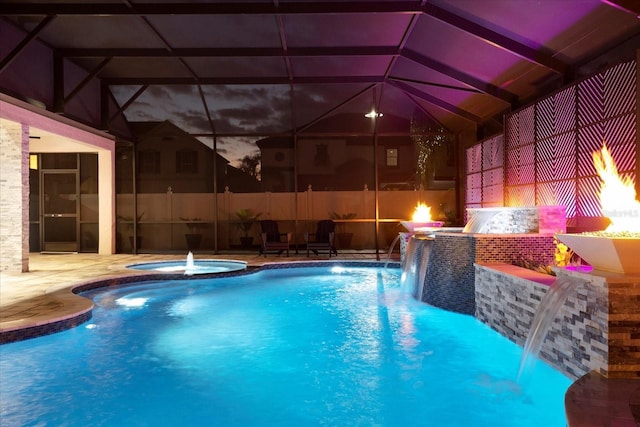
165, 218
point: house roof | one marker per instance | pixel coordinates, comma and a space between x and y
143, 130
264, 67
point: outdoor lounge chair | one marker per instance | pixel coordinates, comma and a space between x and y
322, 239
272, 239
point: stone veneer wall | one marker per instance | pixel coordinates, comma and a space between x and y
450, 282
596, 330
517, 220
620, 300
14, 197
507, 303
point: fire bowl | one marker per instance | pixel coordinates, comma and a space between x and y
607, 253
417, 227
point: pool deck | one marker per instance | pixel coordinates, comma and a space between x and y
42, 296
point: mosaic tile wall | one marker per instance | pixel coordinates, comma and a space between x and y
596, 328
508, 248
450, 282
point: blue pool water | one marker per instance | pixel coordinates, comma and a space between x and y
283, 347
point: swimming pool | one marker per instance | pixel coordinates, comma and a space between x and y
310, 346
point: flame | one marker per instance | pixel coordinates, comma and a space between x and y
422, 213
617, 194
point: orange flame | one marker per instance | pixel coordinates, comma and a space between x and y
422, 213
617, 194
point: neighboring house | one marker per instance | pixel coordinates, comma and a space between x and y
168, 157
344, 160
276, 164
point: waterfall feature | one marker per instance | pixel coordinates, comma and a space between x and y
480, 220
416, 265
547, 311
391, 247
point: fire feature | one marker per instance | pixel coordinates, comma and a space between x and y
616, 248
421, 221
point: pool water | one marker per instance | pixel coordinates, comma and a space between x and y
283, 347
203, 266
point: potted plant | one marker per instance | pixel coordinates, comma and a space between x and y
343, 238
195, 226
246, 219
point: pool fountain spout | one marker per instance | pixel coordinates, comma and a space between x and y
190, 264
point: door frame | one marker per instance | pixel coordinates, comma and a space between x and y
59, 246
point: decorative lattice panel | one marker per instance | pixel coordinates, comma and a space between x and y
591, 100
493, 195
527, 125
561, 145
492, 177
557, 168
620, 89
548, 146
590, 138
512, 137
620, 130
556, 114
624, 156
565, 110
521, 128
520, 166
474, 188
545, 112
523, 195
474, 159
587, 198
493, 153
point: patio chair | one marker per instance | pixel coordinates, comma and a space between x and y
272, 239
322, 239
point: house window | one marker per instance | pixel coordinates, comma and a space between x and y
187, 161
322, 155
149, 162
392, 157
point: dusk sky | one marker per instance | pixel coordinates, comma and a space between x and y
236, 110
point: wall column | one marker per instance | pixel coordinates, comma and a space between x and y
106, 202
14, 197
